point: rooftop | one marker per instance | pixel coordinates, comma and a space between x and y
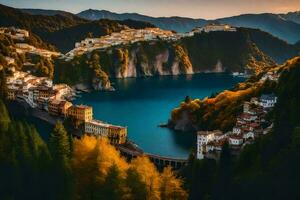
268, 96
104, 124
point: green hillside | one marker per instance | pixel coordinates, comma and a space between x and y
267, 169
62, 30
205, 52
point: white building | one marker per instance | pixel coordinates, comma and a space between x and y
268, 101
235, 140
248, 135
203, 138
97, 128
272, 76
236, 130
215, 27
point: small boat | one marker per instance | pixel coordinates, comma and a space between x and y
163, 125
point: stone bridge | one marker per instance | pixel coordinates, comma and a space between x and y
159, 161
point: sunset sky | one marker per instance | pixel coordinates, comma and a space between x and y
208, 9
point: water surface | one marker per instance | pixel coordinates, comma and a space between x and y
142, 104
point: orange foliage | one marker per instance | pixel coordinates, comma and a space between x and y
149, 175
93, 157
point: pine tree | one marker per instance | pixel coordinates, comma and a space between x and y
137, 188
113, 185
59, 144
224, 174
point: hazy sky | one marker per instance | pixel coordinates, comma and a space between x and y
209, 9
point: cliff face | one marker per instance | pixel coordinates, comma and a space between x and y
213, 52
135, 63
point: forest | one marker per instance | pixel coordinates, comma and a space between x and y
70, 168
267, 169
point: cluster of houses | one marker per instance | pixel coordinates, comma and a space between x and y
271, 75
124, 37
215, 27
21, 47
15, 33
250, 124
41, 93
36, 91
128, 36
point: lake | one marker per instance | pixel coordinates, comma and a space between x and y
142, 104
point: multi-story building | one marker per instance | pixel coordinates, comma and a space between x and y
235, 140
203, 138
268, 101
115, 134
80, 114
58, 107
11, 94
45, 92
53, 107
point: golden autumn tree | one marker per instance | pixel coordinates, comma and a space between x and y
149, 175
171, 186
92, 159
101, 173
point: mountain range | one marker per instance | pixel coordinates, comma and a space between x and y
284, 26
62, 29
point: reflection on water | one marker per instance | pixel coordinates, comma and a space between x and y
142, 104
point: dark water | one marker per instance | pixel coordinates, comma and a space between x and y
143, 103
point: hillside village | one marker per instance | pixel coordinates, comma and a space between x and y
21, 47
250, 125
40, 93
130, 36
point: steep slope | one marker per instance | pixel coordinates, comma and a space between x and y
205, 52
278, 25
179, 24
292, 16
60, 28
48, 12
272, 23
277, 49
261, 168
38, 24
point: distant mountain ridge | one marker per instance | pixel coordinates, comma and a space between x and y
292, 16
59, 28
284, 26
179, 24
272, 23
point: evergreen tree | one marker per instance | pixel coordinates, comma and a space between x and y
113, 185
59, 144
137, 188
224, 174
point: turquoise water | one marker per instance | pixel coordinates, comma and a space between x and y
142, 104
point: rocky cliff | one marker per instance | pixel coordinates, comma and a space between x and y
202, 53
